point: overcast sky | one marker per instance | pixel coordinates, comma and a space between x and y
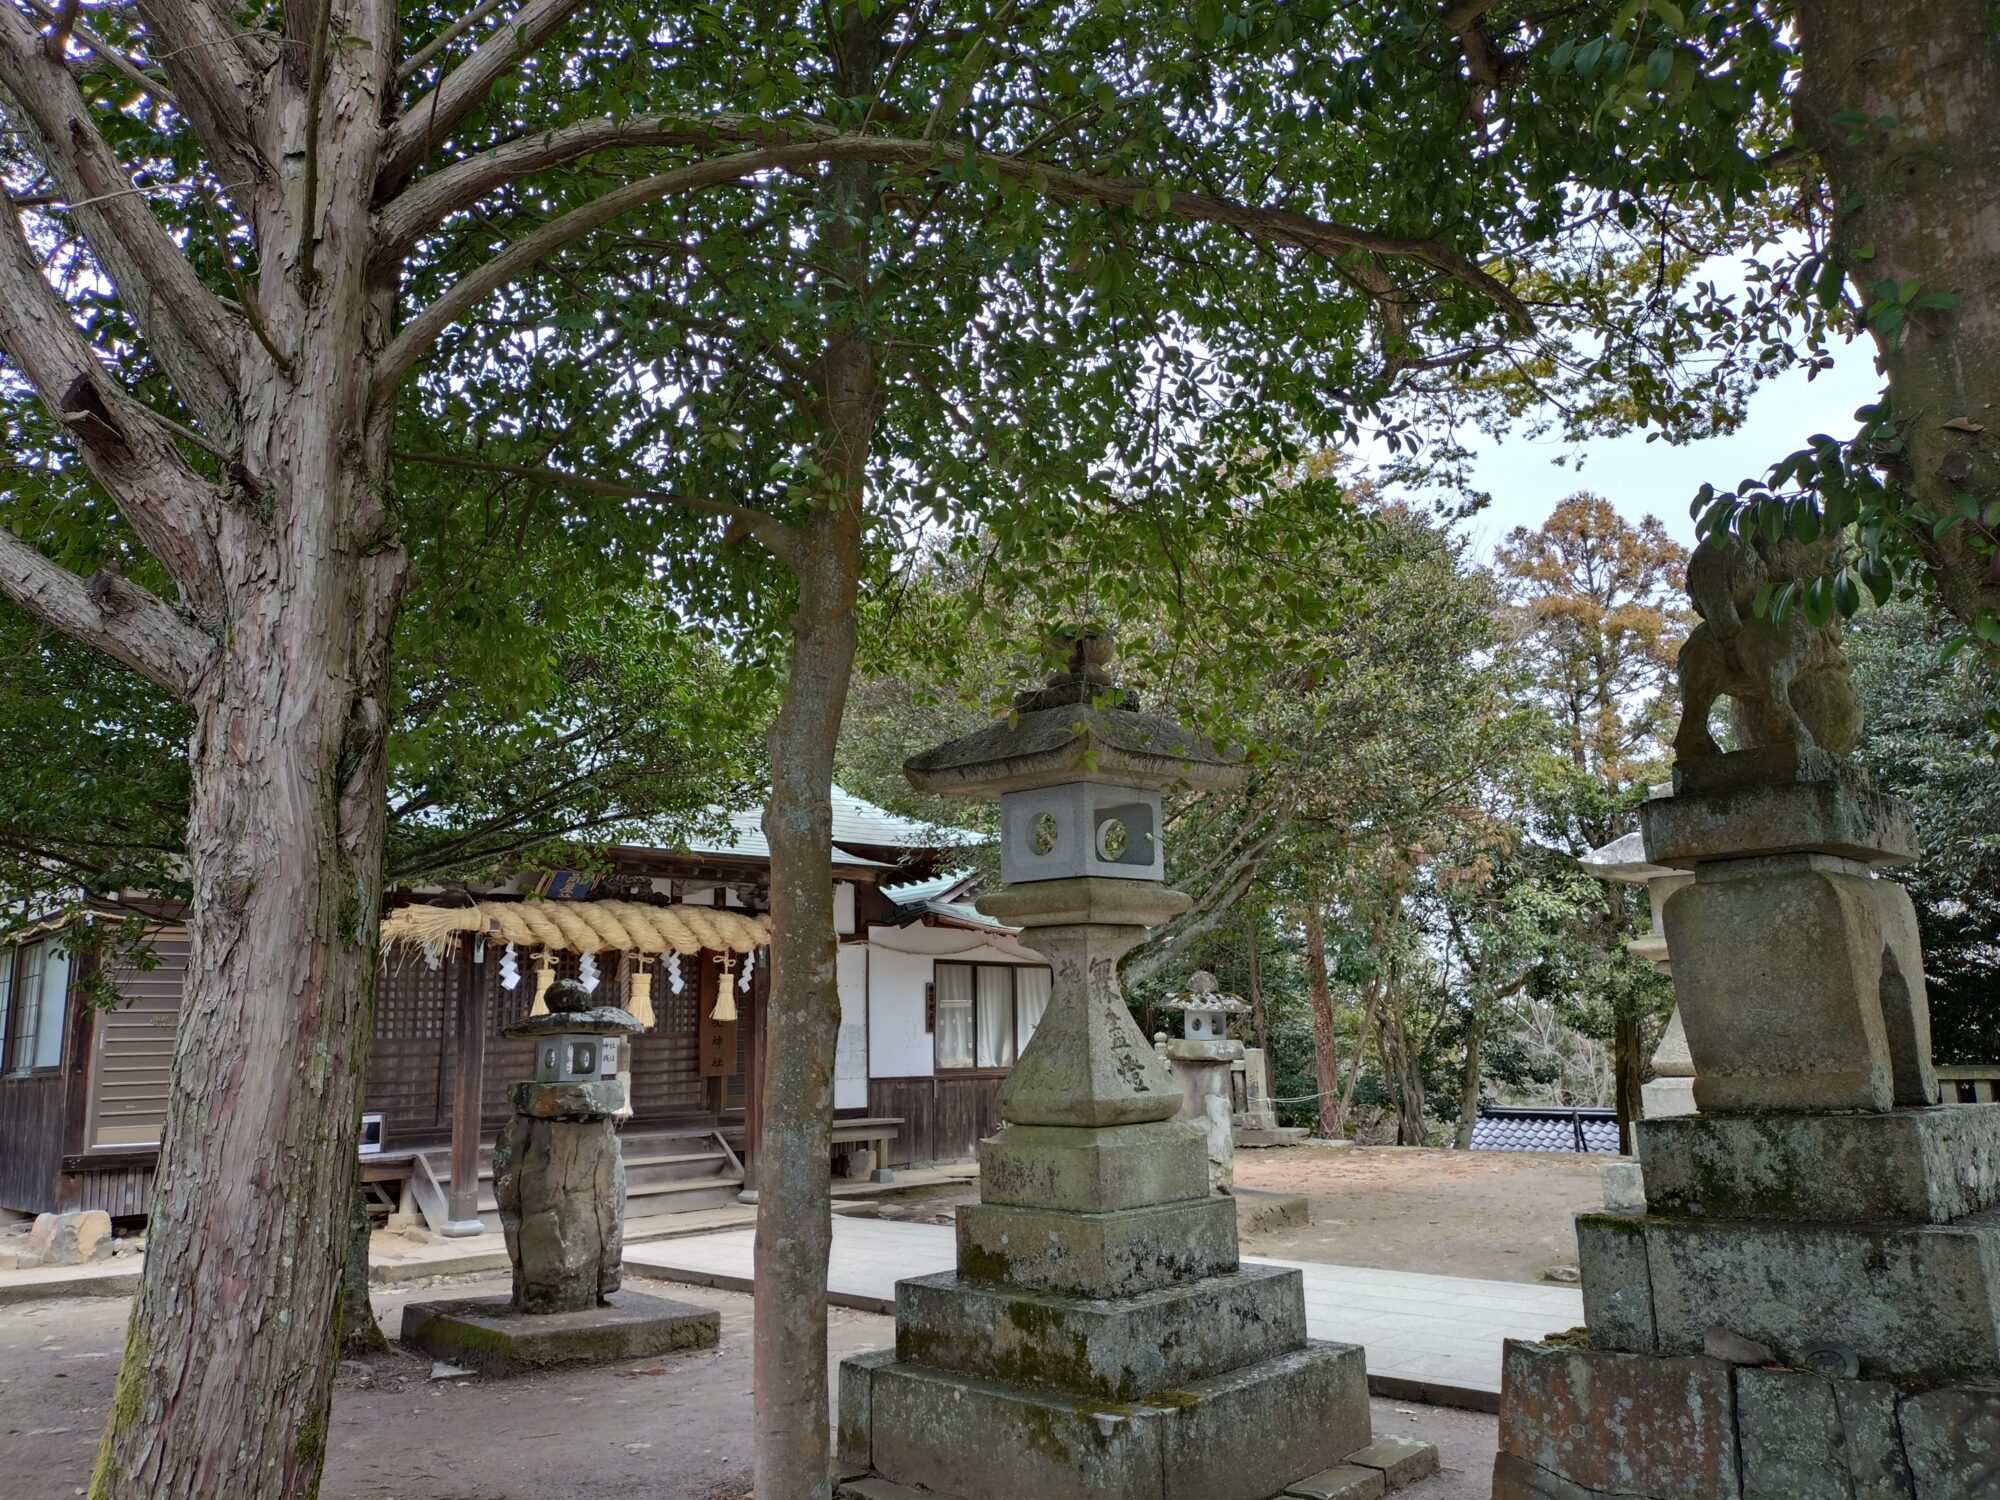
1642, 478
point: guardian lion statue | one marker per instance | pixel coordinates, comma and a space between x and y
1788, 682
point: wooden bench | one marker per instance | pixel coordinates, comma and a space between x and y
873, 1133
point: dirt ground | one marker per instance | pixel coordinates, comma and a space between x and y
1503, 1215
676, 1428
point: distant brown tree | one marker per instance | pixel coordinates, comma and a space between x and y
1596, 605
1597, 610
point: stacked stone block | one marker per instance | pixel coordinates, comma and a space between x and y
1808, 1304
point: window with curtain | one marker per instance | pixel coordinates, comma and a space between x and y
987, 1012
954, 993
1031, 998
996, 1017
36, 1039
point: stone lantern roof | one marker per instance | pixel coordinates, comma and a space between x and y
1080, 727
1203, 993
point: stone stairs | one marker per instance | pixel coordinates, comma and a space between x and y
667, 1170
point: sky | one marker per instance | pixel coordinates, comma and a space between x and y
1641, 478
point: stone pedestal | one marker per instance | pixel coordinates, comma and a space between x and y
1201, 1073
1100, 1337
1808, 1302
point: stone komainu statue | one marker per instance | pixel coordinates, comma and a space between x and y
1789, 682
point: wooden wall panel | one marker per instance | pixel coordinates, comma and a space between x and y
944, 1118
122, 1192
31, 1127
967, 1112
914, 1101
135, 1048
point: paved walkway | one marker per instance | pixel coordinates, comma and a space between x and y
1428, 1338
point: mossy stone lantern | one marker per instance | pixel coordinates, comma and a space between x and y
1100, 1335
1078, 770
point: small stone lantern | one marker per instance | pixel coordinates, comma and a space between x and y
1201, 1062
1205, 1010
559, 1183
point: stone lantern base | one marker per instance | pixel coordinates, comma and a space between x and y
494, 1338
1808, 1304
1105, 1343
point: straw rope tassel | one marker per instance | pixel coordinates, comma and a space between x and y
545, 975
641, 1004
725, 992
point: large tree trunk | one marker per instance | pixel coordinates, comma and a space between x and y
794, 1202
1628, 1065
228, 1367
1919, 201
229, 1357
1326, 1060
1470, 1078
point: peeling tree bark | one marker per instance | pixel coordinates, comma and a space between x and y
1919, 200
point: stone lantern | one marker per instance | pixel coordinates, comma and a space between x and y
1201, 1061
1205, 1010
1099, 1336
559, 1183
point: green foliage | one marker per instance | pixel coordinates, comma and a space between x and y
1925, 741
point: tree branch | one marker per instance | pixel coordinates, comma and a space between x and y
429, 201
772, 533
207, 61
112, 57
1278, 225
195, 338
433, 117
155, 488
422, 58
113, 614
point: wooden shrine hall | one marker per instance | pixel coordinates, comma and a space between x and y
936, 1002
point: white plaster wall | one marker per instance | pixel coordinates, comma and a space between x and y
901, 962
850, 1058
843, 908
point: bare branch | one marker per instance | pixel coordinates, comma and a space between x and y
458, 186
474, 287
155, 488
775, 535
113, 614
423, 56
195, 338
433, 117
1276, 225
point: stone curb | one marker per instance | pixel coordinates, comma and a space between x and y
21, 1293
